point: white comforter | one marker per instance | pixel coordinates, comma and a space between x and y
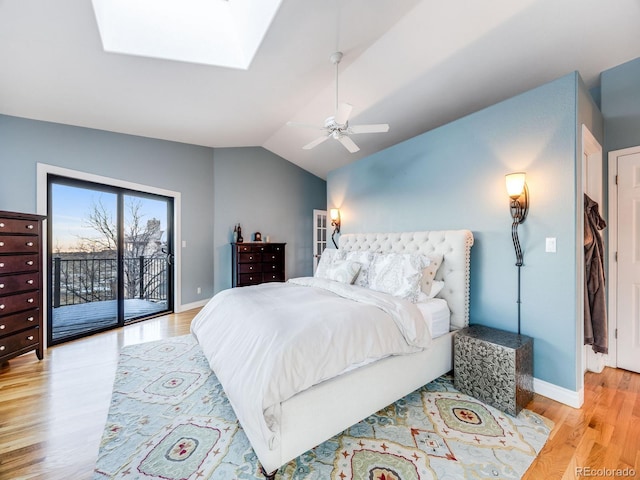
268, 342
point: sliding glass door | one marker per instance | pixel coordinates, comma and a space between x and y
147, 257
110, 257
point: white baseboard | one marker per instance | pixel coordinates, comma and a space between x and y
559, 394
190, 306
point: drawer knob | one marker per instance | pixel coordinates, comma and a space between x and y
2, 306
1, 265
29, 282
2, 327
30, 300
29, 244
30, 227
30, 262
1, 224
2, 347
1, 244
30, 319
1, 285
30, 337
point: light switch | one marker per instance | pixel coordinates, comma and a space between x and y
550, 245
184, 244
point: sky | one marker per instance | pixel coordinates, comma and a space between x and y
71, 204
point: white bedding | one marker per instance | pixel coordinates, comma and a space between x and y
275, 353
437, 315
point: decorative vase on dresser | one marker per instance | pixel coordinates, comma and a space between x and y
253, 263
21, 285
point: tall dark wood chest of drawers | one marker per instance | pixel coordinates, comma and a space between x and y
20, 285
255, 263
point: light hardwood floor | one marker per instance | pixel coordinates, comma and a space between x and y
52, 412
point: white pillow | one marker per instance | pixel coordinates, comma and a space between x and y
328, 257
364, 259
398, 274
344, 271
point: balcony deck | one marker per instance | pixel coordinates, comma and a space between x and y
73, 320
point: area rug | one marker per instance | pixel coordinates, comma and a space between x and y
169, 419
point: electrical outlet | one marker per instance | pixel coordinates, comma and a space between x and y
198, 290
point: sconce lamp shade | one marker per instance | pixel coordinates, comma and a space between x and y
334, 213
515, 184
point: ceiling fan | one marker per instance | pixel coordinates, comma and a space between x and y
337, 126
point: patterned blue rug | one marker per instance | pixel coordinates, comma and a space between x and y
170, 419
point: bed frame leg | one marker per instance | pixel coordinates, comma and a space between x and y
268, 476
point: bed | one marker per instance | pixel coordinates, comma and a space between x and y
306, 418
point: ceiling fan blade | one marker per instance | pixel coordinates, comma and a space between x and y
342, 114
348, 144
304, 125
315, 143
372, 128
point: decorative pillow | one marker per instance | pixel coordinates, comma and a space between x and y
344, 271
328, 257
429, 273
364, 259
398, 274
436, 287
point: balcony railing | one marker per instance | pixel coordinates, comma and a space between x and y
87, 280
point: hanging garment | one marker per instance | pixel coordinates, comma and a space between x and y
595, 307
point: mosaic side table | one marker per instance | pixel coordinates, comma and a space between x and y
494, 366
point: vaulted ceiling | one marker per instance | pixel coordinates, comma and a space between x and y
415, 64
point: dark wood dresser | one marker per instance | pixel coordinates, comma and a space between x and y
21, 285
254, 263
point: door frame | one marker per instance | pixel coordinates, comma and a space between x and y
42, 172
612, 298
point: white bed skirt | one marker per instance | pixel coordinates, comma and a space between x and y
374, 386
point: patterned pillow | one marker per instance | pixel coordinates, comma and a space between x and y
328, 257
436, 287
364, 259
429, 273
344, 271
398, 274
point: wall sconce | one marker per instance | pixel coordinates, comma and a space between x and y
519, 205
334, 213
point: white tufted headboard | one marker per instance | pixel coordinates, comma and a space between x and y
454, 245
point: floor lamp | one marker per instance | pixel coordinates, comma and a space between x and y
519, 194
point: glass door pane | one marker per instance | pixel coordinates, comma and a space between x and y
83, 266
147, 256
319, 235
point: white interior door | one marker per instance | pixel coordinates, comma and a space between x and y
628, 291
591, 185
319, 235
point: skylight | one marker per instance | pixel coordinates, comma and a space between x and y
225, 33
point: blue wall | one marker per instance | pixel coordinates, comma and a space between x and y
453, 177
265, 194
218, 188
620, 91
